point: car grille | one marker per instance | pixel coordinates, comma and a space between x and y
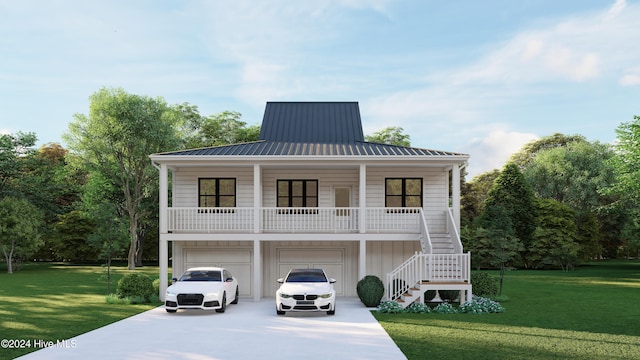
302, 297
190, 299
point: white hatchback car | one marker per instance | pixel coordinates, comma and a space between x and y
207, 288
306, 290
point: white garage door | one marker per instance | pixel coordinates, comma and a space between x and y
331, 260
238, 261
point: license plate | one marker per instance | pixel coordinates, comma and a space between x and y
302, 302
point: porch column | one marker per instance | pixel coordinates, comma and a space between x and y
257, 198
163, 252
363, 199
362, 260
257, 273
455, 201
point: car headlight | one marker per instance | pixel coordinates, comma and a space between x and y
325, 296
172, 293
285, 296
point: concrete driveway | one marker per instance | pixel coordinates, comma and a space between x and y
249, 330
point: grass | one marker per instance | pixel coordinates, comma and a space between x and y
55, 301
592, 312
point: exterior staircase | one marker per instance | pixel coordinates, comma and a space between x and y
440, 266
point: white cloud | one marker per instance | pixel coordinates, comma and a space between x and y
494, 149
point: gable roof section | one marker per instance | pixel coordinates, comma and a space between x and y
312, 122
312, 129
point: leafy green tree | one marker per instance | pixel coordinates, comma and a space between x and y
392, 135
496, 232
554, 238
116, 138
12, 149
70, 235
109, 236
627, 165
512, 193
574, 174
20, 227
219, 129
474, 194
529, 151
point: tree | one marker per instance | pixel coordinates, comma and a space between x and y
626, 162
511, 192
529, 151
12, 148
109, 236
496, 232
392, 135
70, 235
116, 138
574, 174
554, 238
20, 225
474, 194
219, 129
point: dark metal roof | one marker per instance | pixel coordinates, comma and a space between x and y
312, 122
277, 148
311, 129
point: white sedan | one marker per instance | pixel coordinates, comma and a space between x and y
206, 288
306, 290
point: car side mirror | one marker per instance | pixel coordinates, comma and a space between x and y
280, 281
173, 281
229, 279
332, 281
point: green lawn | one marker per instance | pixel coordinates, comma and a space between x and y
52, 301
592, 312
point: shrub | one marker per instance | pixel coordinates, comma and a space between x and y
135, 286
480, 305
429, 295
156, 286
390, 307
370, 290
484, 284
418, 308
444, 308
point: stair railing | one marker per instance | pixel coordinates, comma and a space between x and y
425, 238
453, 230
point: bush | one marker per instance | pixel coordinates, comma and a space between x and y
156, 286
445, 308
484, 284
370, 290
418, 308
390, 307
480, 305
135, 286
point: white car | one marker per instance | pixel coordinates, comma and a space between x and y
206, 288
306, 290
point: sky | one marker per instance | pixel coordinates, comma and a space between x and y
477, 77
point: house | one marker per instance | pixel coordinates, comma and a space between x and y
311, 192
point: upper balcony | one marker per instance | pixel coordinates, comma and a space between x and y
295, 220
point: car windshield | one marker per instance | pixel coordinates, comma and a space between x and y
201, 275
306, 276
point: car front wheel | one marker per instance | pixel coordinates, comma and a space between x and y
235, 300
223, 306
279, 312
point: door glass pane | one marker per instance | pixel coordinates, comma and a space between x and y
342, 197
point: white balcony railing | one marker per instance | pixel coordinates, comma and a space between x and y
293, 220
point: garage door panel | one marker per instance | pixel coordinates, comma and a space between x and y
238, 262
334, 271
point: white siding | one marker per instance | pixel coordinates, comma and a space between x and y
384, 256
185, 184
328, 179
435, 191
